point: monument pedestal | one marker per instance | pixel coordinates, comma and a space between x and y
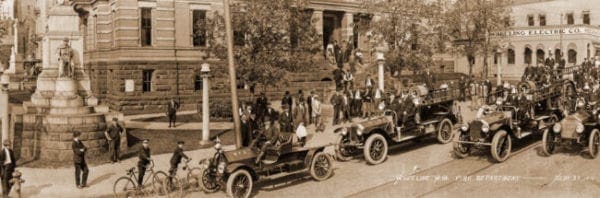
61, 105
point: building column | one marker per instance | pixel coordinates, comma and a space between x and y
317, 17
347, 26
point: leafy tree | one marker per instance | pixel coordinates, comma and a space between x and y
470, 23
407, 28
271, 39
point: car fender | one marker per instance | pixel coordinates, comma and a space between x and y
236, 166
309, 155
496, 126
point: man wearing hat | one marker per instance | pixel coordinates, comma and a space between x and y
172, 112
113, 136
7, 157
81, 168
285, 119
144, 160
176, 158
287, 101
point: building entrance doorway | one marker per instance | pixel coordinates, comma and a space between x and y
332, 25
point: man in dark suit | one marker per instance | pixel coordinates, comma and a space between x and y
337, 101
176, 158
246, 128
285, 120
549, 62
339, 55
261, 106
7, 157
288, 101
113, 136
144, 160
172, 112
81, 168
309, 99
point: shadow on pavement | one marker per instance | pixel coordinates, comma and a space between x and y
101, 178
32, 191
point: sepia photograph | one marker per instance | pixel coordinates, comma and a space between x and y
299, 98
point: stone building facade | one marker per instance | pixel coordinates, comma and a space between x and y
141, 53
541, 28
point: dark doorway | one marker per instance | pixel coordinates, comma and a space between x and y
539, 56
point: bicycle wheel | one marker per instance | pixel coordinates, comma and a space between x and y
173, 187
124, 187
159, 179
193, 178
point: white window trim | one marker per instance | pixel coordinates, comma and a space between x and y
192, 24
146, 4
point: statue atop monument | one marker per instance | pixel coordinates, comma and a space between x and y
66, 65
62, 2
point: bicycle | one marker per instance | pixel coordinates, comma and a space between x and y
193, 177
126, 186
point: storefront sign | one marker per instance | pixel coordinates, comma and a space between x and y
548, 32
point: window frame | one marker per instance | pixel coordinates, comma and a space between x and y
540, 21
141, 26
530, 20
570, 18
193, 33
586, 15
510, 57
147, 84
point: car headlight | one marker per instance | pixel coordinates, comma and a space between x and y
579, 128
381, 106
221, 167
485, 128
359, 129
557, 127
344, 131
464, 127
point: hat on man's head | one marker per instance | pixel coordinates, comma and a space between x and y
65, 39
6, 142
76, 134
180, 142
115, 119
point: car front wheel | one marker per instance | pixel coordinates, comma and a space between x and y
207, 182
343, 153
444, 135
548, 143
375, 149
239, 184
462, 150
501, 146
321, 166
594, 142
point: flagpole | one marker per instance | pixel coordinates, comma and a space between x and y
232, 76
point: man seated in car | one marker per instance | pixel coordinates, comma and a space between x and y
274, 139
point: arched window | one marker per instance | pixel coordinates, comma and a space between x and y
572, 56
198, 83
557, 54
539, 56
527, 56
510, 56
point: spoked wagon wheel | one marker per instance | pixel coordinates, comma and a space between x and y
159, 180
462, 150
207, 182
193, 178
124, 187
444, 134
594, 142
501, 146
342, 153
321, 166
375, 149
548, 142
239, 184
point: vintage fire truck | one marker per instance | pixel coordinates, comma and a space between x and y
535, 110
434, 114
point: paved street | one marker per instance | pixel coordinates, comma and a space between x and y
406, 173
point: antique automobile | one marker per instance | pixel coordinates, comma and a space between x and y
237, 170
434, 114
535, 111
578, 129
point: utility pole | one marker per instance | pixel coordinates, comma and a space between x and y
232, 76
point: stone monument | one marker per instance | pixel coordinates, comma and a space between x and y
63, 101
